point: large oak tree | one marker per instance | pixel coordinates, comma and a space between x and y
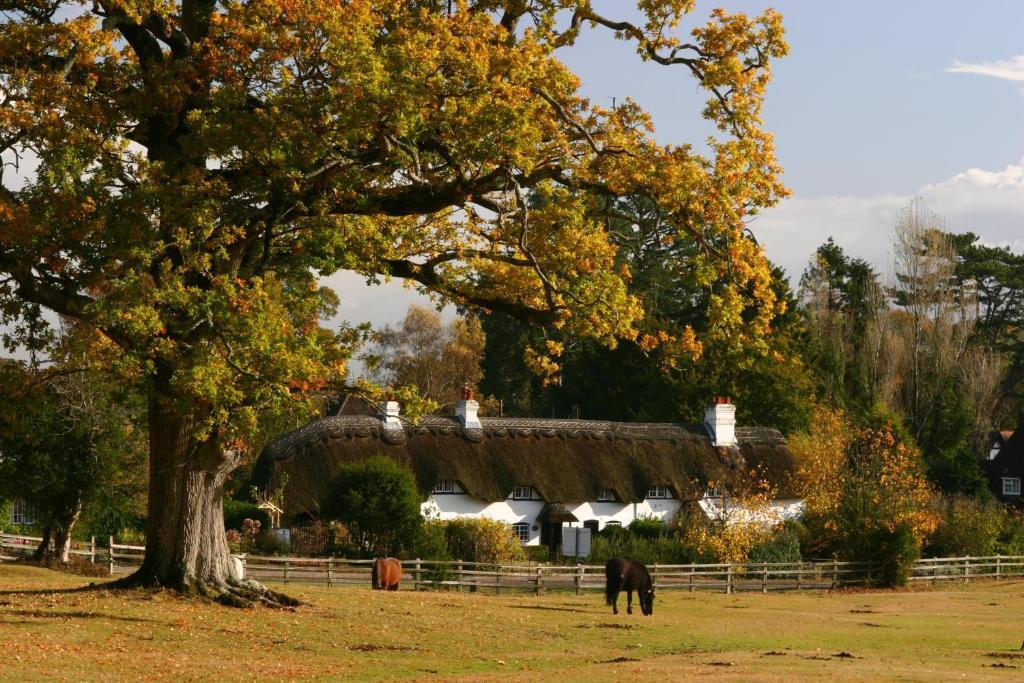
188, 168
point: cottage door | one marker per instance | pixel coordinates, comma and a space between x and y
551, 536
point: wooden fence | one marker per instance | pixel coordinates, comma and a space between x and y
540, 578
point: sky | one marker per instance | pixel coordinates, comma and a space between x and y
878, 102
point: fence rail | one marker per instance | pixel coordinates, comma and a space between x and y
538, 578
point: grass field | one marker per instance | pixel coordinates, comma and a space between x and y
50, 632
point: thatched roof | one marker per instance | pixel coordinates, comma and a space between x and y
565, 461
1009, 462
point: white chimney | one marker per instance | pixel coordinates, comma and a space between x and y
389, 411
720, 420
465, 410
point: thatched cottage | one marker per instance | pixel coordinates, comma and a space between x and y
535, 474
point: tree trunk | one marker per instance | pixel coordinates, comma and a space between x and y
43, 551
186, 547
62, 541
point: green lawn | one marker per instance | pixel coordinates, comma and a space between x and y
50, 632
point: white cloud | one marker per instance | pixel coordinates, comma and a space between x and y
1011, 69
987, 203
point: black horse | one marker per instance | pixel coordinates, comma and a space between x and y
626, 575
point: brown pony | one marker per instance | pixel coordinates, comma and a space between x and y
387, 572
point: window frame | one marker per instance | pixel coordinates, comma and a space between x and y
21, 513
714, 492
659, 492
444, 486
1012, 481
517, 493
607, 496
522, 531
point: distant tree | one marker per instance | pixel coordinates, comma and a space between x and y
437, 358
378, 501
67, 441
842, 300
996, 277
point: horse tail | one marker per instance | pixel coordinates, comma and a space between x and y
613, 580
611, 590
375, 574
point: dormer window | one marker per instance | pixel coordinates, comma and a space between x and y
713, 492
606, 496
522, 493
444, 486
660, 491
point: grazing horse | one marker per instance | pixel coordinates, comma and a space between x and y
626, 575
387, 572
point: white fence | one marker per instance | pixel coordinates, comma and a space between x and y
538, 578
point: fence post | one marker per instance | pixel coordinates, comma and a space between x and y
835, 573
287, 563
330, 571
654, 576
458, 577
111, 549
539, 588
416, 576
497, 580
967, 569
692, 569
578, 579
728, 581
999, 559
764, 579
799, 575
92, 550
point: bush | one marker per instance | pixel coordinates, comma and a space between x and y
647, 526
269, 544
477, 539
1011, 536
237, 511
895, 551
431, 543
537, 553
378, 501
967, 527
782, 546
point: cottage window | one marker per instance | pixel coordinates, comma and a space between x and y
606, 496
522, 530
713, 492
522, 493
21, 513
444, 486
1011, 486
612, 523
659, 492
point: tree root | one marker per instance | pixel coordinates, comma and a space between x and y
242, 593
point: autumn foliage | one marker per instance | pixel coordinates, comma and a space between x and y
867, 497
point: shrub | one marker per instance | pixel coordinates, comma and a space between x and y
477, 539
1011, 536
968, 527
377, 500
647, 526
782, 546
237, 511
431, 543
895, 551
537, 553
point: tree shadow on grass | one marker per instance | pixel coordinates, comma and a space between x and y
73, 614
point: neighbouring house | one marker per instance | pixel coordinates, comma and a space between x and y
537, 474
1004, 466
21, 513
995, 442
